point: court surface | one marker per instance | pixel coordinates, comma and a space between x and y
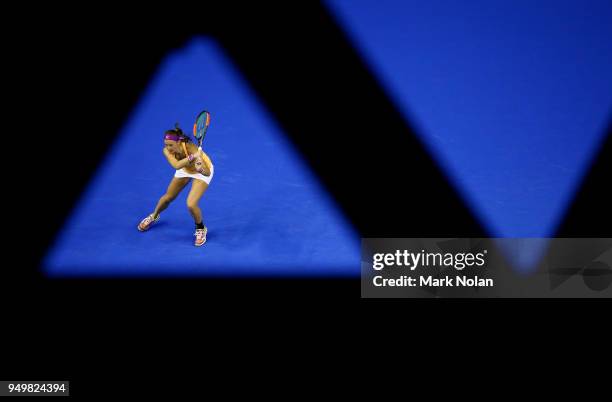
511, 97
266, 212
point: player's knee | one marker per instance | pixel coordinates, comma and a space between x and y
192, 205
168, 198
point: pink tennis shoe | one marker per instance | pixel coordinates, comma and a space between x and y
200, 236
147, 222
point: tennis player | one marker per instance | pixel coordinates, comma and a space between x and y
183, 155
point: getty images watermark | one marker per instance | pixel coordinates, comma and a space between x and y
412, 261
483, 267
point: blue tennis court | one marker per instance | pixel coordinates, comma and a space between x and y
511, 97
266, 212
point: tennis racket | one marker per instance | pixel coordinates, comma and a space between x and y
199, 132
200, 127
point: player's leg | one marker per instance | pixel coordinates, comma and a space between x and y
198, 188
174, 189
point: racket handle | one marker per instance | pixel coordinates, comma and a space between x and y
201, 153
206, 159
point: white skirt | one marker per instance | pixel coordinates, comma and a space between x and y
198, 176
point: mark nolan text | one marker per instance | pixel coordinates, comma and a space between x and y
456, 281
447, 281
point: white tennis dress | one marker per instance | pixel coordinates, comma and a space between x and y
197, 176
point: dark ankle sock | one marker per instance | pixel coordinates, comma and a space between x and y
200, 225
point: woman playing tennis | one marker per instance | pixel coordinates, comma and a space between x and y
190, 163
